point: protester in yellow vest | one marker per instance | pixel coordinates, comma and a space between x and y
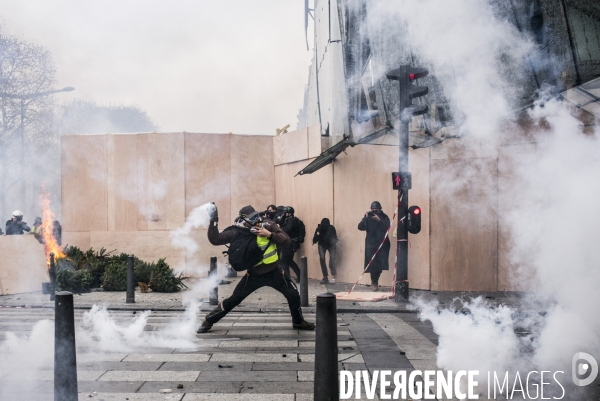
265, 273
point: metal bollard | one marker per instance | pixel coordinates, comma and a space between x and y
303, 282
52, 273
231, 273
326, 353
130, 298
65, 361
213, 298
401, 292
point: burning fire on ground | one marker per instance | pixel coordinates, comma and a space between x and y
48, 218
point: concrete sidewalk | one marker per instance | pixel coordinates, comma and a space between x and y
265, 299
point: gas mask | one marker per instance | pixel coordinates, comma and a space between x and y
254, 220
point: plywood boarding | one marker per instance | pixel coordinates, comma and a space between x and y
311, 196
290, 147
361, 177
464, 225
76, 238
515, 270
122, 182
251, 172
23, 267
419, 244
198, 262
161, 181
84, 182
314, 140
146, 245
208, 172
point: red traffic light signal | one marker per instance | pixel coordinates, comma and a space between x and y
405, 75
414, 219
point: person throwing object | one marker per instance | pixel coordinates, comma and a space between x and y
265, 273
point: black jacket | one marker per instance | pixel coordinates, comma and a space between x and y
376, 231
278, 237
290, 227
325, 235
16, 227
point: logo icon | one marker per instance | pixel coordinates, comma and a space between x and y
585, 369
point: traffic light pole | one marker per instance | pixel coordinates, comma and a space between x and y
404, 75
401, 284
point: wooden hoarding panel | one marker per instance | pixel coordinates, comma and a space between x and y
208, 173
146, 245
515, 271
290, 147
311, 196
464, 225
418, 244
198, 262
314, 140
251, 172
361, 177
84, 182
77, 238
23, 267
161, 186
122, 183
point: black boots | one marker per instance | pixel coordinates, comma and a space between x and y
304, 326
204, 327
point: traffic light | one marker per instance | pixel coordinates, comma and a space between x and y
414, 219
405, 75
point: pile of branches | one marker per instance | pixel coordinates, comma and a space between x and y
81, 271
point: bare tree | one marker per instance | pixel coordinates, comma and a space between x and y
26, 70
87, 117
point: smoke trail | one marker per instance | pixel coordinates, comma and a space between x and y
479, 58
199, 217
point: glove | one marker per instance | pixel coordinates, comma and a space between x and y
214, 214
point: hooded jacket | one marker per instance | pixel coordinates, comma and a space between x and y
325, 234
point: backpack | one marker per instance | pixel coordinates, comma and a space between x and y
244, 253
301, 230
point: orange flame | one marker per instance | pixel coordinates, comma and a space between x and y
48, 217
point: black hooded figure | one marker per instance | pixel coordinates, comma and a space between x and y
326, 237
376, 224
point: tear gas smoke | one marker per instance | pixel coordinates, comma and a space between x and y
479, 63
199, 217
100, 331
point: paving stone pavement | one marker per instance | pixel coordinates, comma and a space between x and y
251, 354
247, 356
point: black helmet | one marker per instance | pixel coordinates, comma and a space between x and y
289, 210
376, 205
246, 210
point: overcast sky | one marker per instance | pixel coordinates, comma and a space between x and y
194, 65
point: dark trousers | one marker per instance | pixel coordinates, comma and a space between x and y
287, 260
252, 282
375, 276
332, 254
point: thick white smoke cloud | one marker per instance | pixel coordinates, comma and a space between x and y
477, 58
467, 49
199, 217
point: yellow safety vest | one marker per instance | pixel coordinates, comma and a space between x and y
269, 254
